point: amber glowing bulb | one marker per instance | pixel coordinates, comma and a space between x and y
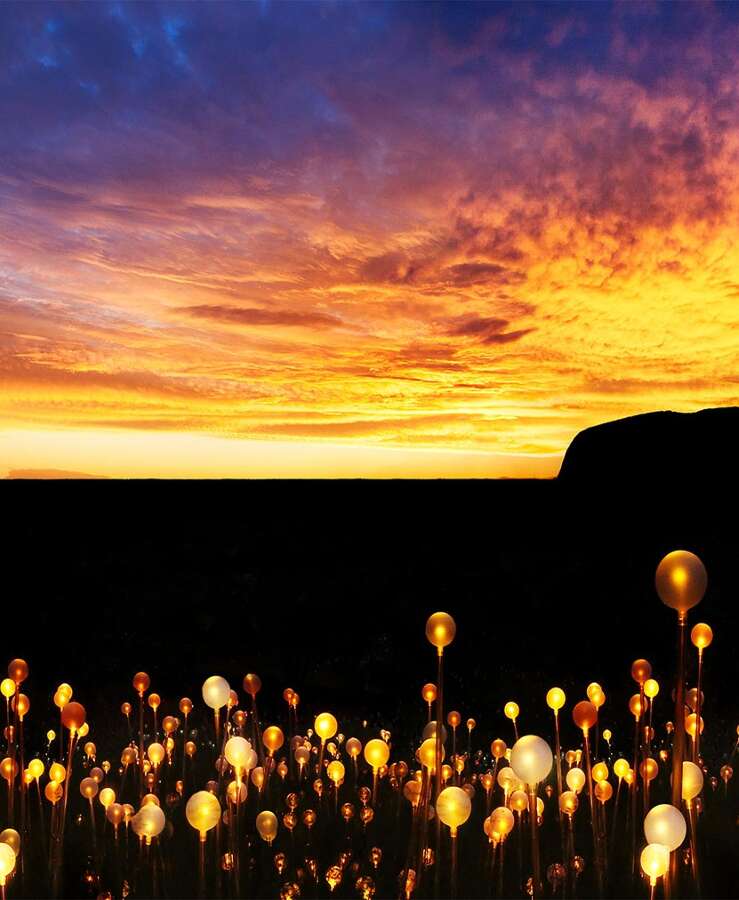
440, 630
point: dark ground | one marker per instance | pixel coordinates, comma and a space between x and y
326, 586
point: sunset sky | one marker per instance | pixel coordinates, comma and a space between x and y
360, 239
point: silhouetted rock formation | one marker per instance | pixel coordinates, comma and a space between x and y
659, 450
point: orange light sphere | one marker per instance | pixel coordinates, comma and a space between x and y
9, 769
376, 753
701, 635
273, 738
681, 580
106, 797
18, 670
691, 724
651, 688
641, 669
600, 772
636, 707
141, 682
185, 706
154, 701
603, 791
584, 715
620, 768
556, 698
169, 724
568, 802
440, 630
471, 724
73, 716
126, 709
511, 710
649, 769
57, 772
353, 747
428, 692
454, 718
21, 703
252, 684
498, 748
325, 726
53, 791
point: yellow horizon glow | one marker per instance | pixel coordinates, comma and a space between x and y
111, 454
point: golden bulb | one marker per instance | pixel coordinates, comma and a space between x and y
584, 715
73, 716
203, 812
336, 772
681, 580
701, 635
7, 862
11, 837
511, 710
156, 754
326, 726
141, 682
7, 688
353, 747
454, 718
453, 807
273, 738
107, 796
376, 753
267, 826
600, 772
655, 861
427, 754
518, 801
440, 630
253, 684
18, 670
620, 768
36, 768
498, 748
57, 772
649, 769
154, 701
556, 698
651, 688
641, 669
568, 802
216, 691
428, 692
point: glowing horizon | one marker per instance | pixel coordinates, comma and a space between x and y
364, 240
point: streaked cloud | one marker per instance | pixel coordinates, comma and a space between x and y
468, 229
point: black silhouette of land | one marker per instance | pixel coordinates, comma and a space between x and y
325, 587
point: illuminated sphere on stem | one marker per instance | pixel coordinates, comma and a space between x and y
216, 691
353, 747
701, 635
440, 630
18, 670
11, 837
336, 772
267, 826
7, 688
428, 692
568, 802
325, 726
273, 738
584, 714
502, 821
236, 752
148, 822
575, 779
7, 861
427, 754
531, 759
665, 824
141, 682
556, 698
655, 861
651, 688
253, 684
88, 788
73, 716
156, 754
681, 580
692, 780
376, 753
641, 669
603, 791
429, 731
511, 710
203, 811
453, 807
